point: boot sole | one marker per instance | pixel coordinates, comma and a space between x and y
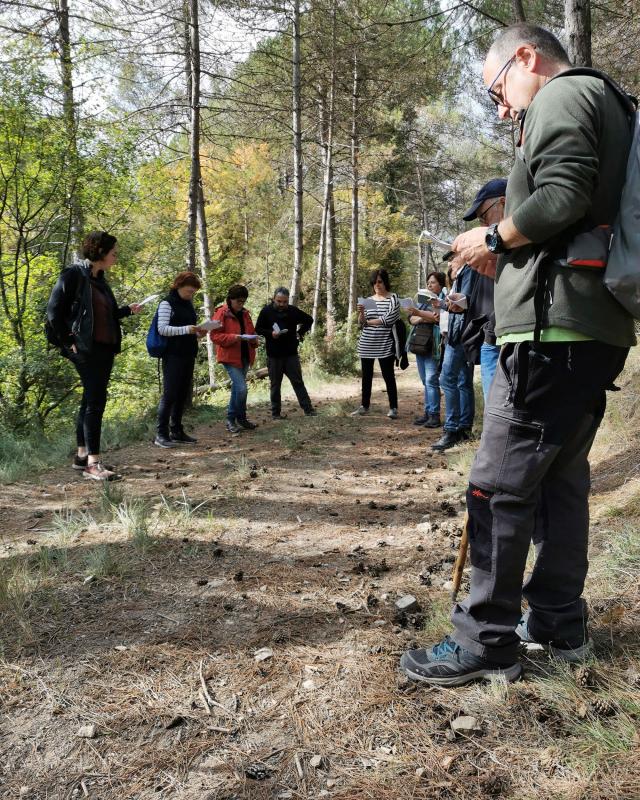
512, 673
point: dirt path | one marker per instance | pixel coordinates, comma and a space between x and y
222, 624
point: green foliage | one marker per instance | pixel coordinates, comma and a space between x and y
336, 356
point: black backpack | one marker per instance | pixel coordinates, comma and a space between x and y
50, 335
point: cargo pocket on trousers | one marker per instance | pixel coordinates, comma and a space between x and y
479, 528
513, 456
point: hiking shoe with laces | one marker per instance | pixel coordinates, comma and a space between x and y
248, 426
421, 420
433, 421
231, 426
181, 437
448, 664
359, 412
569, 652
392, 413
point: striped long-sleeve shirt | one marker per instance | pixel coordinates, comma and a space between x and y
164, 318
377, 341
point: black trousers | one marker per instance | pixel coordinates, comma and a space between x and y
177, 374
289, 366
94, 371
530, 482
387, 367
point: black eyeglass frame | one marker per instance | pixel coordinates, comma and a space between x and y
496, 98
487, 210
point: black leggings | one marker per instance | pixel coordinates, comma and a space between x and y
94, 371
177, 373
387, 366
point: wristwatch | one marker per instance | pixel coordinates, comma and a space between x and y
493, 240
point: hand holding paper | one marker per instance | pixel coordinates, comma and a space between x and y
148, 299
209, 325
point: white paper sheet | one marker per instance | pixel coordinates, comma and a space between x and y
209, 325
441, 244
368, 302
148, 299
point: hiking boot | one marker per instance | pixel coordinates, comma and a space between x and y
310, 412
182, 438
162, 440
244, 423
421, 420
433, 421
359, 412
573, 653
98, 472
448, 664
232, 427
466, 435
278, 416
392, 413
447, 440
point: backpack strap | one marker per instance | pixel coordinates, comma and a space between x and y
629, 102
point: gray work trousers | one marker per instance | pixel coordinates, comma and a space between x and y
530, 482
289, 366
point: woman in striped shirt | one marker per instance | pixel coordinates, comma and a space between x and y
177, 321
377, 341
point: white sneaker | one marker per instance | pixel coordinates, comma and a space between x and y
359, 412
393, 413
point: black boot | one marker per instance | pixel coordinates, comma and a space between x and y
433, 421
449, 439
182, 438
164, 440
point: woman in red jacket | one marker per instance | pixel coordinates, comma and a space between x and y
236, 342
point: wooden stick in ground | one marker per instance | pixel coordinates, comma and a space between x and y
458, 567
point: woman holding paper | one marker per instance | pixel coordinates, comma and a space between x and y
177, 321
85, 318
377, 316
236, 342
425, 343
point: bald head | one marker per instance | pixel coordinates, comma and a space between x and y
545, 43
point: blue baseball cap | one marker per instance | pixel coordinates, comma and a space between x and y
493, 188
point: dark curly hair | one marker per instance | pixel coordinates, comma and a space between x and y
97, 244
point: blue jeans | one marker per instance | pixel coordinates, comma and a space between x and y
456, 381
488, 362
237, 408
428, 371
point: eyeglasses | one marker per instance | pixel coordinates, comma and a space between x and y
482, 216
497, 97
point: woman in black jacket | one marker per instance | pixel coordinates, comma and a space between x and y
177, 321
85, 318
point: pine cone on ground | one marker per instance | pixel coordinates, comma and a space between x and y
602, 707
586, 677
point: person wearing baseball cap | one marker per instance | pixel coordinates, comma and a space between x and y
478, 338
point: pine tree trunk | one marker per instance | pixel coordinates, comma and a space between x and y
518, 11
355, 200
330, 238
76, 215
197, 210
191, 21
577, 23
297, 159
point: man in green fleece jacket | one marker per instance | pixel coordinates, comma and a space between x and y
564, 340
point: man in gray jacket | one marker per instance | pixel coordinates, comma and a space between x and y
564, 341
